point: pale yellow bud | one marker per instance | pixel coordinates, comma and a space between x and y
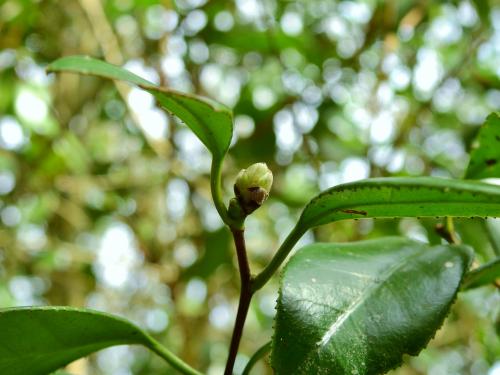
253, 185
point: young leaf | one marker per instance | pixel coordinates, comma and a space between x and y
485, 158
39, 340
389, 197
209, 120
402, 197
357, 308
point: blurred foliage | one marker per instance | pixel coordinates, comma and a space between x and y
104, 199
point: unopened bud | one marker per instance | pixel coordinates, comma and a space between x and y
252, 186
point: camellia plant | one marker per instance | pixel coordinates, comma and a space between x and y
351, 308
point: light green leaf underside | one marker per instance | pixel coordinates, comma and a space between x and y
42, 339
402, 197
485, 157
210, 121
357, 308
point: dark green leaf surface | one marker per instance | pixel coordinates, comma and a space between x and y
485, 157
357, 308
209, 120
402, 197
39, 340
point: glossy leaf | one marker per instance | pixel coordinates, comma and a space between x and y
39, 340
485, 157
357, 308
209, 120
402, 197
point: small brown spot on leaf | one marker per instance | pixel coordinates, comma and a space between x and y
364, 213
491, 161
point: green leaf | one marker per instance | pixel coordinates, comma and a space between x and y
486, 274
357, 308
485, 157
402, 197
210, 121
386, 198
39, 340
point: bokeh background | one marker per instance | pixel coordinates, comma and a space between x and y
104, 198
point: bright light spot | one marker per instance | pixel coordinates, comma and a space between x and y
223, 21
195, 21
446, 95
293, 81
263, 97
156, 320
306, 117
172, 66
339, 94
185, 254
7, 182
140, 100
117, 256
126, 26
11, 216
198, 52
291, 23
7, 58
159, 21
26, 290
191, 151
244, 126
30, 107
382, 127
335, 27
196, 290
312, 95
287, 137
329, 175
267, 304
32, 237
211, 77
154, 122
495, 369
385, 94
353, 169
11, 133
400, 77
249, 9
428, 71
444, 30
177, 198
467, 14
220, 316
355, 11
115, 360
29, 71
176, 45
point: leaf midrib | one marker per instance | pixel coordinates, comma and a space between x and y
359, 302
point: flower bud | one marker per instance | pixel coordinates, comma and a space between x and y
252, 186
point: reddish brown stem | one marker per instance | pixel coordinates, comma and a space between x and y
245, 298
